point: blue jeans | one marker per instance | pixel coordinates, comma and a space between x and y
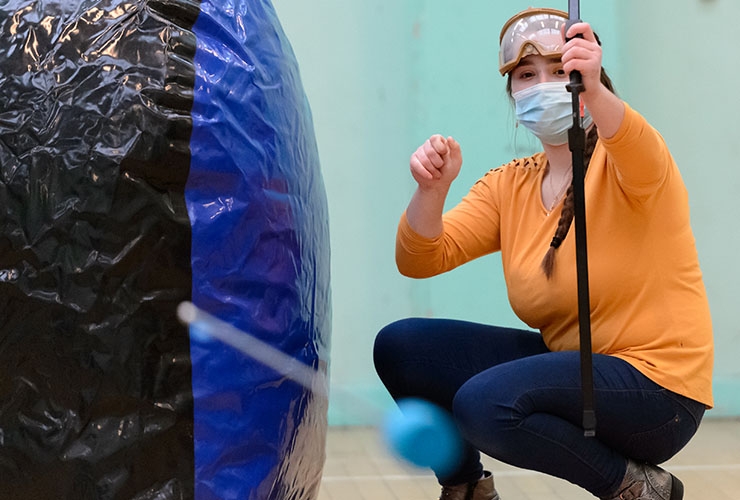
520, 403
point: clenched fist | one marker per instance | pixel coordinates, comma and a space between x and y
436, 163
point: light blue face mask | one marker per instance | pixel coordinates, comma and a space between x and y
546, 110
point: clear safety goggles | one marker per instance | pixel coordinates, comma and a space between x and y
532, 31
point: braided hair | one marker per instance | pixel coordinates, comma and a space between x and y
568, 210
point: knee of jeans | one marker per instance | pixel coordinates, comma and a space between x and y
482, 413
390, 346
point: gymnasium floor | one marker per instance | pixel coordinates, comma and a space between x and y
359, 468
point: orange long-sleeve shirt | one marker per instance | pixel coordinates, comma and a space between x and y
648, 302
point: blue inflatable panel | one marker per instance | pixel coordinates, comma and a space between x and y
260, 257
154, 152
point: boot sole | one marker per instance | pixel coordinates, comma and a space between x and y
676, 488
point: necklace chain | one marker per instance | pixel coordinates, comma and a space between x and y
558, 195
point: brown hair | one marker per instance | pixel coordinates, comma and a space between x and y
567, 212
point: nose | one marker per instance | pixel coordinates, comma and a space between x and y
546, 77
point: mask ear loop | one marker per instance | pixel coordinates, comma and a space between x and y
515, 135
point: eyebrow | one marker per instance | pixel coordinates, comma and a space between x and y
550, 60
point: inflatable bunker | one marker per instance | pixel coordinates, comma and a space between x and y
154, 152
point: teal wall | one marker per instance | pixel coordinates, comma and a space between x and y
383, 75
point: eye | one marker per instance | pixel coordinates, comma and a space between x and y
560, 72
525, 74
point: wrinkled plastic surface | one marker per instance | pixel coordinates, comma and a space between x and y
150, 153
260, 257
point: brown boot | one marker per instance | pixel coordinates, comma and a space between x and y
648, 482
477, 490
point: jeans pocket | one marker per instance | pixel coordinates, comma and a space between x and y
664, 441
661, 443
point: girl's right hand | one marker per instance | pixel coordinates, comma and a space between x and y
436, 163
